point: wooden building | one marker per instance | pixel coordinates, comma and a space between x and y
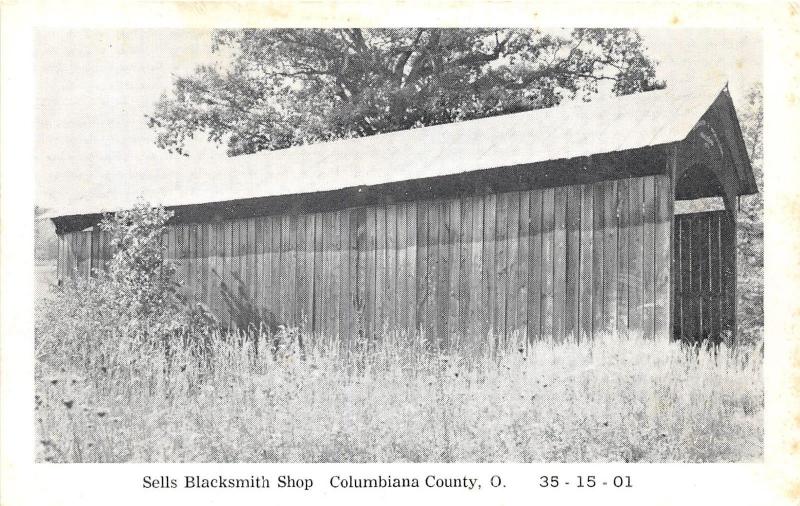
544, 224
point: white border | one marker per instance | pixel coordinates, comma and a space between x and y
775, 481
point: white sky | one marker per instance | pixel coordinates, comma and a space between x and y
95, 87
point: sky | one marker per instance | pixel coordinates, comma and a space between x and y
94, 88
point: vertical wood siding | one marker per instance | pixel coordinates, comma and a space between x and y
552, 263
705, 276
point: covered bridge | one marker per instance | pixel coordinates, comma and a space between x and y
544, 224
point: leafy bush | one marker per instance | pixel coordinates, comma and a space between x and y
135, 303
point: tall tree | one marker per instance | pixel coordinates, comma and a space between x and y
751, 225
285, 87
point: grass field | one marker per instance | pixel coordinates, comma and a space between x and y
620, 400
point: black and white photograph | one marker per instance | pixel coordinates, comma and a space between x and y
386, 245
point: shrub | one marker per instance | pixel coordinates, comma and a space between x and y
135, 303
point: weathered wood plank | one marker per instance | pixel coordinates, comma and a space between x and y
191, 262
305, 271
86, 251
381, 305
623, 254
712, 290
310, 268
74, 247
252, 272
282, 303
677, 279
62, 259
244, 266
240, 262
379, 276
636, 256
75, 253
421, 267
691, 287
429, 224
369, 273
465, 298
195, 261
610, 265
548, 232
185, 253
292, 270
325, 304
704, 260
687, 309
663, 257
437, 258
59, 258
649, 261
405, 297
274, 258
573, 265
513, 285
235, 272
226, 264
327, 269
333, 244
66, 254
560, 265
411, 265
228, 268
232, 267
71, 259
391, 273
598, 255
301, 315
521, 269
479, 321
349, 285
489, 263
94, 255
212, 281
501, 266
453, 252
258, 265
534, 266
586, 278
360, 243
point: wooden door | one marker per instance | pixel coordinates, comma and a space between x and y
704, 276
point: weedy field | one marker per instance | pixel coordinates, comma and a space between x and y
611, 399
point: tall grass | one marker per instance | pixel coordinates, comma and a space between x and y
609, 399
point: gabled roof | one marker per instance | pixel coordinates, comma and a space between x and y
603, 125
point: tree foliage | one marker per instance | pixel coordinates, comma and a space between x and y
751, 224
143, 281
283, 87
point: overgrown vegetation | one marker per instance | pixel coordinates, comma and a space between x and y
125, 372
622, 400
750, 243
134, 303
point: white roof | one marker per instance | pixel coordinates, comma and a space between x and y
570, 130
